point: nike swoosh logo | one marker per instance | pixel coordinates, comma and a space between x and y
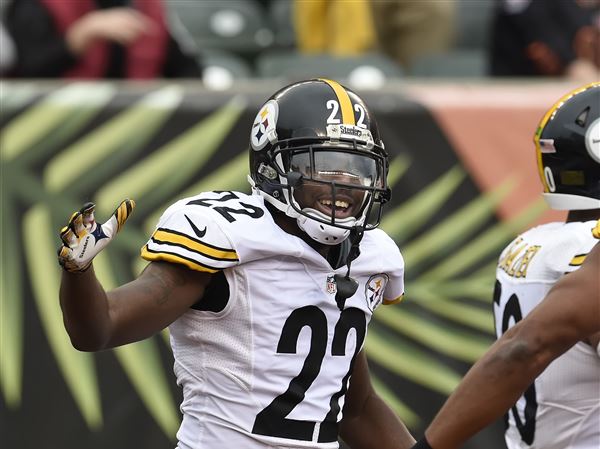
197, 231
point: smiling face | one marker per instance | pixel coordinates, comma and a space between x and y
345, 203
334, 182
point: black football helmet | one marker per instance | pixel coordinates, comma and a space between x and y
319, 133
567, 144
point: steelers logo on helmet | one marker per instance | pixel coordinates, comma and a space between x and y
264, 126
592, 140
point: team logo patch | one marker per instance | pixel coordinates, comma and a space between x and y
263, 128
331, 285
374, 290
592, 140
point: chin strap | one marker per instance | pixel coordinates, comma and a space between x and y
346, 285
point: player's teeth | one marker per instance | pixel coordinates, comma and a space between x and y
338, 203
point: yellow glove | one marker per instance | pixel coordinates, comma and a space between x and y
83, 238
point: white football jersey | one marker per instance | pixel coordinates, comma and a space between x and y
264, 359
561, 410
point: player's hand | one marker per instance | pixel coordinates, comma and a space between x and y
122, 25
83, 238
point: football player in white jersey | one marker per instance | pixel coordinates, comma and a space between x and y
267, 296
552, 357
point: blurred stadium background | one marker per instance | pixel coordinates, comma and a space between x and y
462, 171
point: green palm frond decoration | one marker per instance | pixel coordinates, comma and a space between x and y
91, 163
100, 153
11, 309
174, 164
142, 364
54, 119
450, 260
409, 418
77, 367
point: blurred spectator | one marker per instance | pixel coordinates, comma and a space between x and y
95, 39
407, 29
335, 27
402, 29
546, 38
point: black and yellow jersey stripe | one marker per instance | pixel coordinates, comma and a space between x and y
173, 246
165, 256
577, 260
175, 238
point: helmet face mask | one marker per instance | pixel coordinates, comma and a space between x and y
325, 170
567, 144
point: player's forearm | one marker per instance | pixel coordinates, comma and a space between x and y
377, 427
85, 310
490, 388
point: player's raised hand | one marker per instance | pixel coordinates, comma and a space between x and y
83, 238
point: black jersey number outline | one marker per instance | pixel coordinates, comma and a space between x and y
225, 211
526, 429
272, 421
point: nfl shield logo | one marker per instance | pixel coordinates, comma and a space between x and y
331, 285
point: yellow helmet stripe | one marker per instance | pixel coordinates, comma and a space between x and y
547, 117
344, 101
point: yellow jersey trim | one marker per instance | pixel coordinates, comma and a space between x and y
174, 258
389, 302
193, 245
577, 260
596, 230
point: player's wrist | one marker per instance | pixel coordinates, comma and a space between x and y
75, 270
422, 444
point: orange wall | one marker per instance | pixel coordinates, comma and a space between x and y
491, 127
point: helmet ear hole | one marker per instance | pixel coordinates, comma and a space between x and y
582, 118
549, 179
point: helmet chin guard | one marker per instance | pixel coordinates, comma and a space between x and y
311, 221
321, 232
563, 201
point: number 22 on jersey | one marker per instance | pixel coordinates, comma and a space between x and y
272, 420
